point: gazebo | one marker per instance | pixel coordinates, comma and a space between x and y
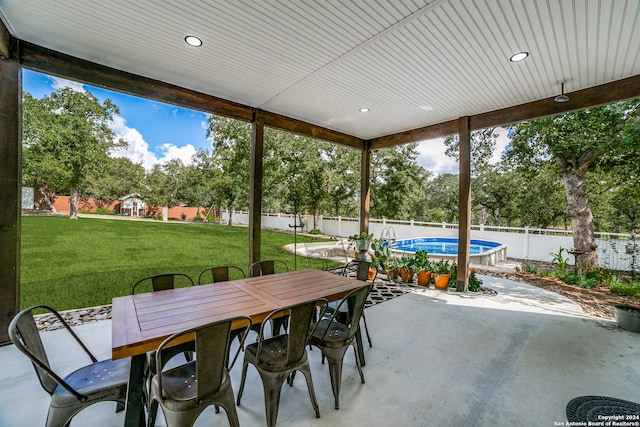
362, 74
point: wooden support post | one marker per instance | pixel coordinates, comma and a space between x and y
365, 188
11, 179
464, 204
255, 189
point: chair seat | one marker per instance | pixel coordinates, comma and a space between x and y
99, 381
273, 356
179, 386
336, 334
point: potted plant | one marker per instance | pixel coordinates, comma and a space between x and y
362, 240
381, 254
442, 269
423, 267
405, 267
391, 267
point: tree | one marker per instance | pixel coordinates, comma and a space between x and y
121, 177
67, 138
483, 143
576, 142
166, 184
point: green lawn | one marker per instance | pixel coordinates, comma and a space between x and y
84, 263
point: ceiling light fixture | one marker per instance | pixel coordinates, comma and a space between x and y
520, 56
193, 41
562, 97
364, 110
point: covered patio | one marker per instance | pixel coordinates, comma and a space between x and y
438, 359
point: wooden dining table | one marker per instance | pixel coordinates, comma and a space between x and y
141, 322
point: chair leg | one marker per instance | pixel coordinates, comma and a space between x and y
242, 379
335, 373
153, 413
306, 371
366, 329
229, 405
272, 386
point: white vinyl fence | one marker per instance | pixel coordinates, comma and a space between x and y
614, 249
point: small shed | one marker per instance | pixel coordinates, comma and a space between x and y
132, 205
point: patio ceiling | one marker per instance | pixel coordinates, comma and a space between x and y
413, 63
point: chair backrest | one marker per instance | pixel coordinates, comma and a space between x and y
212, 347
219, 274
361, 269
24, 334
300, 316
162, 282
355, 300
262, 268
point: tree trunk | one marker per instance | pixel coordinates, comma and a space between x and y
316, 214
573, 174
73, 203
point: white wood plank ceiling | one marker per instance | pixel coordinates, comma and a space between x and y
411, 62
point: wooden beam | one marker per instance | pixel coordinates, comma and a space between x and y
255, 190
11, 179
607, 93
595, 96
365, 189
306, 129
414, 135
464, 205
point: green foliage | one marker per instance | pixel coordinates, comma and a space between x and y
66, 139
530, 268
87, 262
422, 261
361, 235
316, 231
559, 261
381, 254
475, 283
622, 288
442, 266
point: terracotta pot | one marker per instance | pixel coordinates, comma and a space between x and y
424, 277
406, 274
442, 281
372, 273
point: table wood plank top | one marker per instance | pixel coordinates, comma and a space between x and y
140, 322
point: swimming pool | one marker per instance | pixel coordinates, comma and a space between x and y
483, 252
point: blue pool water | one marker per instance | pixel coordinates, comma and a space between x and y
443, 245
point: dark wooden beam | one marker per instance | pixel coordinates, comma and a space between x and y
414, 135
255, 189
11, 179
595, 96
58, 64
464, 204
365, 189
607, 93
306, 129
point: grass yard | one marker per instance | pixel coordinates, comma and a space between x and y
84, 263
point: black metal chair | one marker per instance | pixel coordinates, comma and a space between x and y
360, 271
162, 282
185, 391
261, 268
220, 273
99, 381
277, 357
334, 337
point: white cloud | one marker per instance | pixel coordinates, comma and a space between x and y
170, 152
138, 149
432, 157
59, 83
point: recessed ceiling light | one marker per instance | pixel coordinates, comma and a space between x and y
364, 110
517, 57
193, 41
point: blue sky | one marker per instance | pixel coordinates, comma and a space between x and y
158, 132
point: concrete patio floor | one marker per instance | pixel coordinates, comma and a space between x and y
438, 359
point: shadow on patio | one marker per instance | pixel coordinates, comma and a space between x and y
438, 359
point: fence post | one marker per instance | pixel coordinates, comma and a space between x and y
444, 224
339, 225
526, 242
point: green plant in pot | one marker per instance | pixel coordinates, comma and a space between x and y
381, 254
406, 265
423, 267
362, 240
442, 269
